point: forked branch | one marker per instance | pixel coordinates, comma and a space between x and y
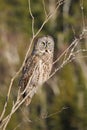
4, 121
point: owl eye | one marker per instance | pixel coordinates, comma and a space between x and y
41, 46
43, 43
49, 43
50, 46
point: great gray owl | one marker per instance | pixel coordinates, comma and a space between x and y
37, 67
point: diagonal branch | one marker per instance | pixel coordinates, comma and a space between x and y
15, 107
73, 45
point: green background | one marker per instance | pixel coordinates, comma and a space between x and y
61, 104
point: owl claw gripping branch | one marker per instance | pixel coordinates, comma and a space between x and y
37, 67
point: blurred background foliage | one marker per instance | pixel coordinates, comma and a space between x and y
61, 104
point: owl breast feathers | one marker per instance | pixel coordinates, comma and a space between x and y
37, 67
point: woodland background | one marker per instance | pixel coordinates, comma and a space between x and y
61, 104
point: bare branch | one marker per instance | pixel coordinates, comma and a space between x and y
67, 58
73, 45
45, 9
31, 17
82, 10
60, 2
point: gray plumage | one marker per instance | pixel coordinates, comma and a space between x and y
37, 67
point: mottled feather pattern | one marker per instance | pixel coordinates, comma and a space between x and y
37, 67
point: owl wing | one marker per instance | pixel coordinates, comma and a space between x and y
27, 71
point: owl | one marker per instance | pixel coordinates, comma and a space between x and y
37, 67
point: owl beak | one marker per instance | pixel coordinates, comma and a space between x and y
46, 50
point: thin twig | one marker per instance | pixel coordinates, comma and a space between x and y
34, 35
31, 17
49, 17
82, 10
75, 43
12, 80
18, 126
8, 94
19, 102
81, 36
45, 9
50, 115
80, 50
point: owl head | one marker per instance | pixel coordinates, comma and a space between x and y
44, 45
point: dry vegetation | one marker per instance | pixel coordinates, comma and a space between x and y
73, 52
